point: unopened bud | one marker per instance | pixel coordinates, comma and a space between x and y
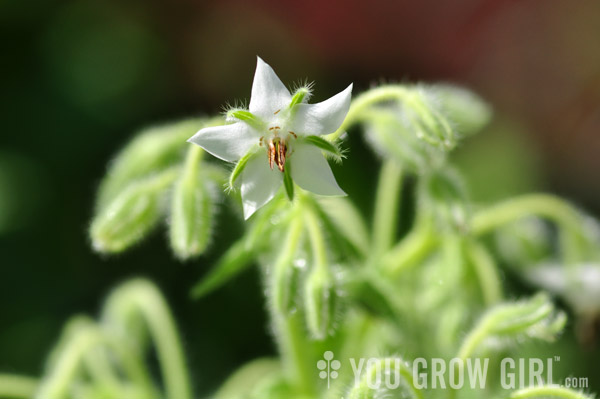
131, 215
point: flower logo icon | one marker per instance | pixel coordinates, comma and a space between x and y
328, 367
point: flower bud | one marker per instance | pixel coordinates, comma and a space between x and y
191, 210
320, 302
390, 135
131, 215
466, 110
425, 119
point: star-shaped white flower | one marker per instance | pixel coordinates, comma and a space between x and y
278, 138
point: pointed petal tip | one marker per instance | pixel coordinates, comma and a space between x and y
248, 211
268, 92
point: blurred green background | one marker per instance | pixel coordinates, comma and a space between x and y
80, 77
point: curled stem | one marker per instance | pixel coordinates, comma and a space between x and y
141, 297
367, 99
544, 205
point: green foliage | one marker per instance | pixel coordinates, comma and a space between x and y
332, 281
327, 146
288, 183
238, 169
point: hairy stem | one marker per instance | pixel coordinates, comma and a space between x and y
316, 239
140, 297
543, 205
412, 249
367, 99
487, 273
386, 207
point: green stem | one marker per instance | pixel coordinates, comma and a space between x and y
317, 241
82, 336
367, 99
487, 273
408, 252
141, 296
295, 351
193, 157
533, 204
474, 338
386, 207
17, 386
101, 371
542, 205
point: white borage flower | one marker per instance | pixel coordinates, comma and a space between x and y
277, 140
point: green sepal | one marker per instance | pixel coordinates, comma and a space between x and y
246, 117
428, 122
288, 183
299, 96
325, 145
238, 169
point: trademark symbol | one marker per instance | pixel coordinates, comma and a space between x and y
557, 358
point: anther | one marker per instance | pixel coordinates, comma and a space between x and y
271, 153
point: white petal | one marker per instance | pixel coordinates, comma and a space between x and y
228, 142
324, 117
311, 171
268, 93
259, 183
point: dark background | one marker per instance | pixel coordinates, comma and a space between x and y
79, 77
